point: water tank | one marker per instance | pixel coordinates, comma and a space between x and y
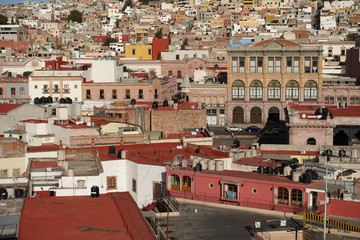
195, 161
155, 105
133, 101
296, 176
212, 165
260, 169
220, 165
3, 193
287, 171
342, 153
269, 170
306, 178
19, 193
236, 143
198, 167
49, 99
94, 191
204, 164
313, 174
278, 170
51, 193
166, 103
111, 150
53, 111
36, 101
68, 100
119, 154
124, 154
62, 100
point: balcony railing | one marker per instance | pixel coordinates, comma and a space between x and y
66, 90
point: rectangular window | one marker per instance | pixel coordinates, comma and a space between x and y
270, 65
127, 93
296, 64
177, 57
252, 64
327, 100
242, 65
141, 95
56, 88
114, 94
134, 185
16, 173
156, 94
149, 51
45, 88
234, 65
22, 91
1, 91
352, 100
260, 64
278, 65
88, 94
289, 65
307, 65
12, 91
3, 173
331, 100
102, 95
111, 182
222, 111
314, 64
133, 51
66, 87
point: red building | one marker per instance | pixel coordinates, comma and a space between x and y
100, 39
16, 46
59, 64
247, 189
158, 46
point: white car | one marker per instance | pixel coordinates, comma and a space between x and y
233, 129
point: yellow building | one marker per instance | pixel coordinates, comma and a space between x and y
216, 22
141, 35
248, 4
140, 52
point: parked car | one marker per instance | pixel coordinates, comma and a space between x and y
271, 132
253, 129
233, 129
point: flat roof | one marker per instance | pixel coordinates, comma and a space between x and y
111, 216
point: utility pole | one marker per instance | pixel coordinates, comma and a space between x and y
326, 174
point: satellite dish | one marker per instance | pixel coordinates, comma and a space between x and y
9, 128
196, 130
192, 107
304, 115
88, 124
147, 142
211, 134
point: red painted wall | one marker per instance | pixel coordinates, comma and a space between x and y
158, 46
343, 208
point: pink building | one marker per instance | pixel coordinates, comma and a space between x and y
245, 189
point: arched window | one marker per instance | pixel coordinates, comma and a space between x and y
311, 141
175, 182
296, 197
256, 90
186, 184
310, 90
274, 90
170, 73
292, 90
238, 90
283, 196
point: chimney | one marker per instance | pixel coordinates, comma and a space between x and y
93, 142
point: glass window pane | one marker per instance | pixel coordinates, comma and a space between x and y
270, 65
234, 65
278, 65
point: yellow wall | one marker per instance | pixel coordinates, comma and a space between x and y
141, 52
12, 163
302, 157
113, 128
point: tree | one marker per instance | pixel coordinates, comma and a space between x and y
3, 19
75, 16
108, 41
128, 3
185, 43
159, 33
117, 23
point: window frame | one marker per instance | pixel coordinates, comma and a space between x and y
111, 182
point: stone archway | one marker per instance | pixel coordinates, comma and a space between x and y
341, 139
274, 114
238, 115
255, 115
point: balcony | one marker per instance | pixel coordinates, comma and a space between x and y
66, 90
45, 90
56, 90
